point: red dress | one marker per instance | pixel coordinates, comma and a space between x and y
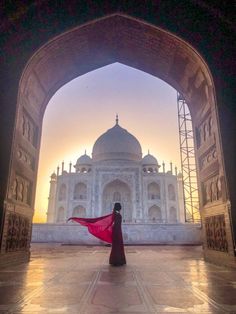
117, 256
107, 228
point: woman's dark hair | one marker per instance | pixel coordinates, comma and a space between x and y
117, 206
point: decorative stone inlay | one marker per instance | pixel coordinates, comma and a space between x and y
17, 232
216, 233
198, 87
26, 158
212, 190
126, 175
21, 190
36, 93
29, 128
208, 158
204, 131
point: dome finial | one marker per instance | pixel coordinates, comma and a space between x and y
85, 152
148, 152
117, 119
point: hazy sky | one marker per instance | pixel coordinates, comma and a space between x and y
86, 107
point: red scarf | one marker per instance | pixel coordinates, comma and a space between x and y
100, 227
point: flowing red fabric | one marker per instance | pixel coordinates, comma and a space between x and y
100, 227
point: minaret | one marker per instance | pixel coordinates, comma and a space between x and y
51, 199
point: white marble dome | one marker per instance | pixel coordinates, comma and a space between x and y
117, 144
84, 160
149, 160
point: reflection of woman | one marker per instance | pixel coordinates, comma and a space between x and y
117, 256
108, 228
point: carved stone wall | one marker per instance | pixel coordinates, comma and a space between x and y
216, 233
29, 128
18, 232
21, 190
211, 190
26, 158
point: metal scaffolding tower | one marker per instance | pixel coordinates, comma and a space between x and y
188, 163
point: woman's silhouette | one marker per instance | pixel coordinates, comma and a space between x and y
117, 256
107, 228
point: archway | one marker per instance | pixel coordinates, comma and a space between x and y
80, 191
79, 211
119, 38
154, 214
117, 191
154, 192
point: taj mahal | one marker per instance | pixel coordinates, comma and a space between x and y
117, 172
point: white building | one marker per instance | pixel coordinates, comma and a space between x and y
117, 173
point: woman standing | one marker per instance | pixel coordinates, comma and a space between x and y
107, 228
117, 256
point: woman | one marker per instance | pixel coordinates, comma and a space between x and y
117, 256
107, 228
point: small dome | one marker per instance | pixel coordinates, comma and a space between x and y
84, 160
149, 160
117, 144
53, 176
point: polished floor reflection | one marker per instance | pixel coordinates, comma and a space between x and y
156, 279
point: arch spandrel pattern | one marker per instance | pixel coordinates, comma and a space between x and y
119, 38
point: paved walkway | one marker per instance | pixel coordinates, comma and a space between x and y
77, 279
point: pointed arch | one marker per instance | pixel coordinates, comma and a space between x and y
117, 191
155, 214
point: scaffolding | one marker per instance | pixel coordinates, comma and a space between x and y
188, 163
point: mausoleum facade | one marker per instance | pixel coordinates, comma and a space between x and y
117, 172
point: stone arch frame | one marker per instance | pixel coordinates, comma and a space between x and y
80, 191
186, 71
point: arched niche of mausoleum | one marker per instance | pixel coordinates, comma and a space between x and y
155, 214
154, 191
79, 211
80, 191
117, 191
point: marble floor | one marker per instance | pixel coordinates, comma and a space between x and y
78, 279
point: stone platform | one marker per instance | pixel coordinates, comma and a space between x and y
133, 234
78, 280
